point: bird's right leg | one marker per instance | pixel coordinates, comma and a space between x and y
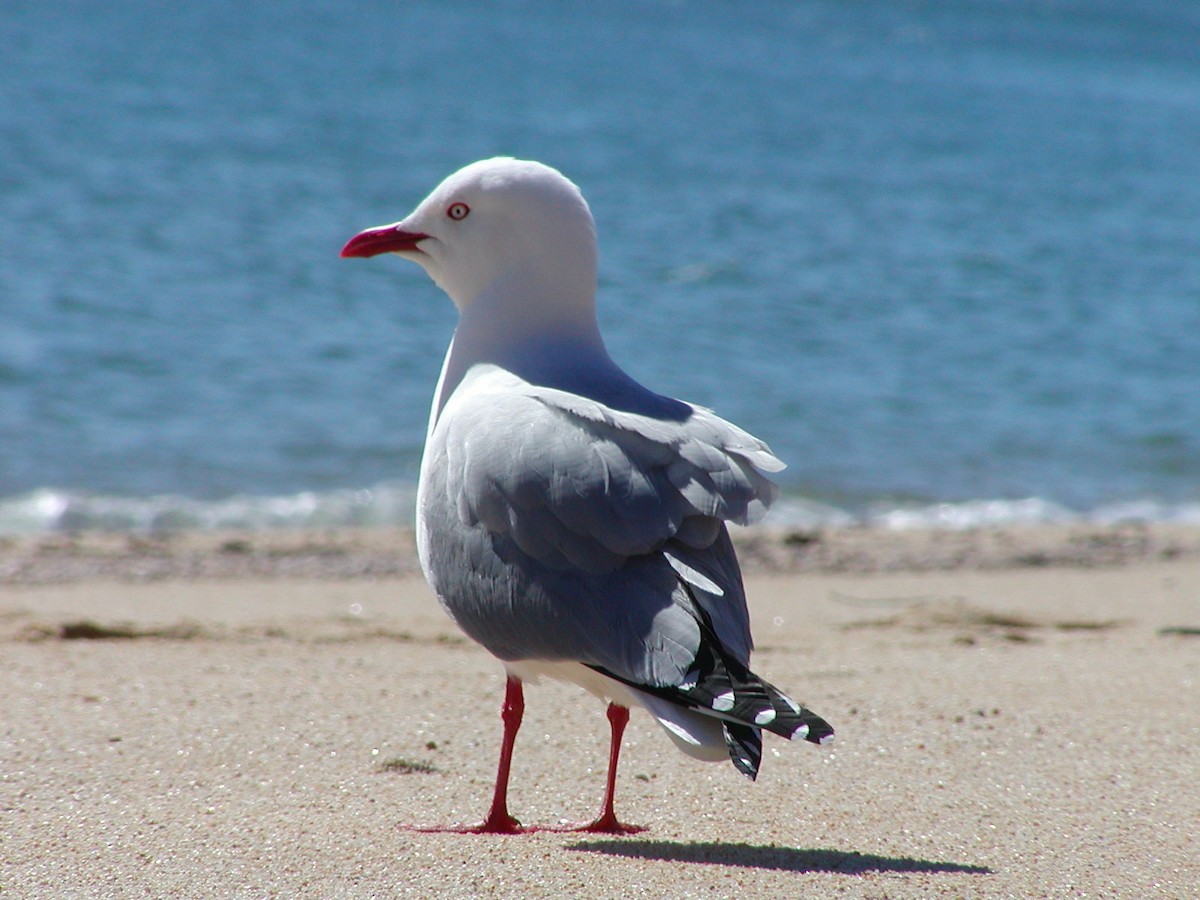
498, 821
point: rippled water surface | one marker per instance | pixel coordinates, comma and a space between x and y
943, 257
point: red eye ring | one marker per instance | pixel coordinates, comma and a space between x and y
458, 211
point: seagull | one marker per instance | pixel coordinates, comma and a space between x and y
569, 519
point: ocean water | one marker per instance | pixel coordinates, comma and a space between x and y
943, 257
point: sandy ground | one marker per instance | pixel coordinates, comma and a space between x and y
249, 720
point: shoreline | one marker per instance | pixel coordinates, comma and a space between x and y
347, 554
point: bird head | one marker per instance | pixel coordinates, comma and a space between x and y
498, 225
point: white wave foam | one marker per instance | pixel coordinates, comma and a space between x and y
1147, 511
972, 514
46, 509
394, 504
798, 512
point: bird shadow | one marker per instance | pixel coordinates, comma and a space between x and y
786, 859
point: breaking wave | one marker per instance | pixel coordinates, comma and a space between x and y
47, 510
393, 504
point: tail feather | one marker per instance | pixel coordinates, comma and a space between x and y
721, 686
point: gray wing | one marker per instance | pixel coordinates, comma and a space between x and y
603, 528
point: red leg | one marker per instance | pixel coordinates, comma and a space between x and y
498, 820
607, 822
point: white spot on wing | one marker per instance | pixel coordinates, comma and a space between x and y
765, 717
723, 702
799, 733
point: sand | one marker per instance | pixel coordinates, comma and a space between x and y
1018, 715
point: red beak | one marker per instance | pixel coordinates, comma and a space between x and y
385, 239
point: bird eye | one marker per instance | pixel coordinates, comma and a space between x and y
458, 211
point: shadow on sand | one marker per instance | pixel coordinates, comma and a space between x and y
788, 859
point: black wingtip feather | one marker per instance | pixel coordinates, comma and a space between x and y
720, 685
745, 748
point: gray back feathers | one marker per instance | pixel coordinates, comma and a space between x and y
604, 526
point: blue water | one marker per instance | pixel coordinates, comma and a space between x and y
943, 257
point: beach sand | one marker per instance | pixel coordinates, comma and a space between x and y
1018, 715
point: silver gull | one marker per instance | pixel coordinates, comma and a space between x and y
569, 519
